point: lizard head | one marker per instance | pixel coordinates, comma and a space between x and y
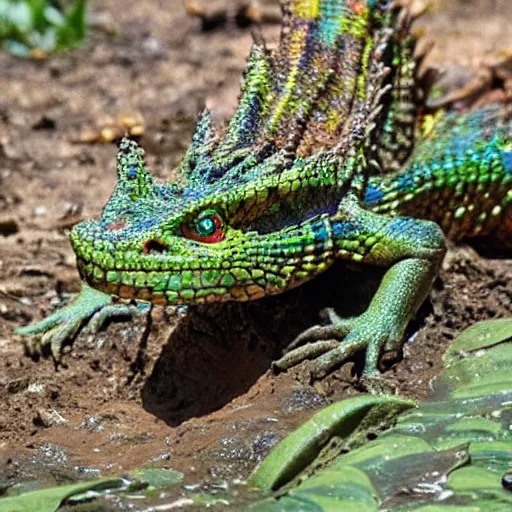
249, 215
251, 233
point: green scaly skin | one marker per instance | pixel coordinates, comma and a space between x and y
325, 154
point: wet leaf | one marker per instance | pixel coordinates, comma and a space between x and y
472, 479
49, 500
479, 336
495, 455
298, 450
481, 485
451, 454
349, 490
158, 477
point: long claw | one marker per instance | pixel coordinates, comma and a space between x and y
58, 335
309, 351
332, 317
318, 333
33, 347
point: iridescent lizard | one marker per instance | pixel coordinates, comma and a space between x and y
329, 156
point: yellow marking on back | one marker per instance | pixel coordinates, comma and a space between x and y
429, 123
296, 47
307, 9
363, 74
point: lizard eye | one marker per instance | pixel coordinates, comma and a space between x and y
207, 228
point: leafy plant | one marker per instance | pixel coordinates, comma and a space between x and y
36, 28
451, 453
49, 500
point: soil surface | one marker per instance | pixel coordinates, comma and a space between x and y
189, 391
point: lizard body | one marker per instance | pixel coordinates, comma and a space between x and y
327, 157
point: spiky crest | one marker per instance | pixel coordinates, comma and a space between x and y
314, 99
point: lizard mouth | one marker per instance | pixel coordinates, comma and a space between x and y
171, 272
155, 271
170, 288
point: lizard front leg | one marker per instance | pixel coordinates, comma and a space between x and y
413, 251
91, 308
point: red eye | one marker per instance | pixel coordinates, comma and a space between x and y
208, 228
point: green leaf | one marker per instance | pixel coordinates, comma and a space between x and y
17, 49
37, 8
74, 30
20, 15
479, 336
158, 477
299, 449
448, 455
30, 25
49, 500
349, 490
54, 16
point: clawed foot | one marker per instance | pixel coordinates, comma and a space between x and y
331, 345
90, 310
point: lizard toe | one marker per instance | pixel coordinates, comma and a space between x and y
331, 346
302, 353
63, 325
32, 346
336, 331
335, 357
329, 315
59, 335
109, 312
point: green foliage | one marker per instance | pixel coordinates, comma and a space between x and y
49, 500
157, 477
452, 453
300, 448
36, 28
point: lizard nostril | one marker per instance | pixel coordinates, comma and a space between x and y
154, 247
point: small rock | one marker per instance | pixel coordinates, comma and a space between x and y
153, 47
39, 211
48, 419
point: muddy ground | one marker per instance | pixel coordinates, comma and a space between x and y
193, 392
